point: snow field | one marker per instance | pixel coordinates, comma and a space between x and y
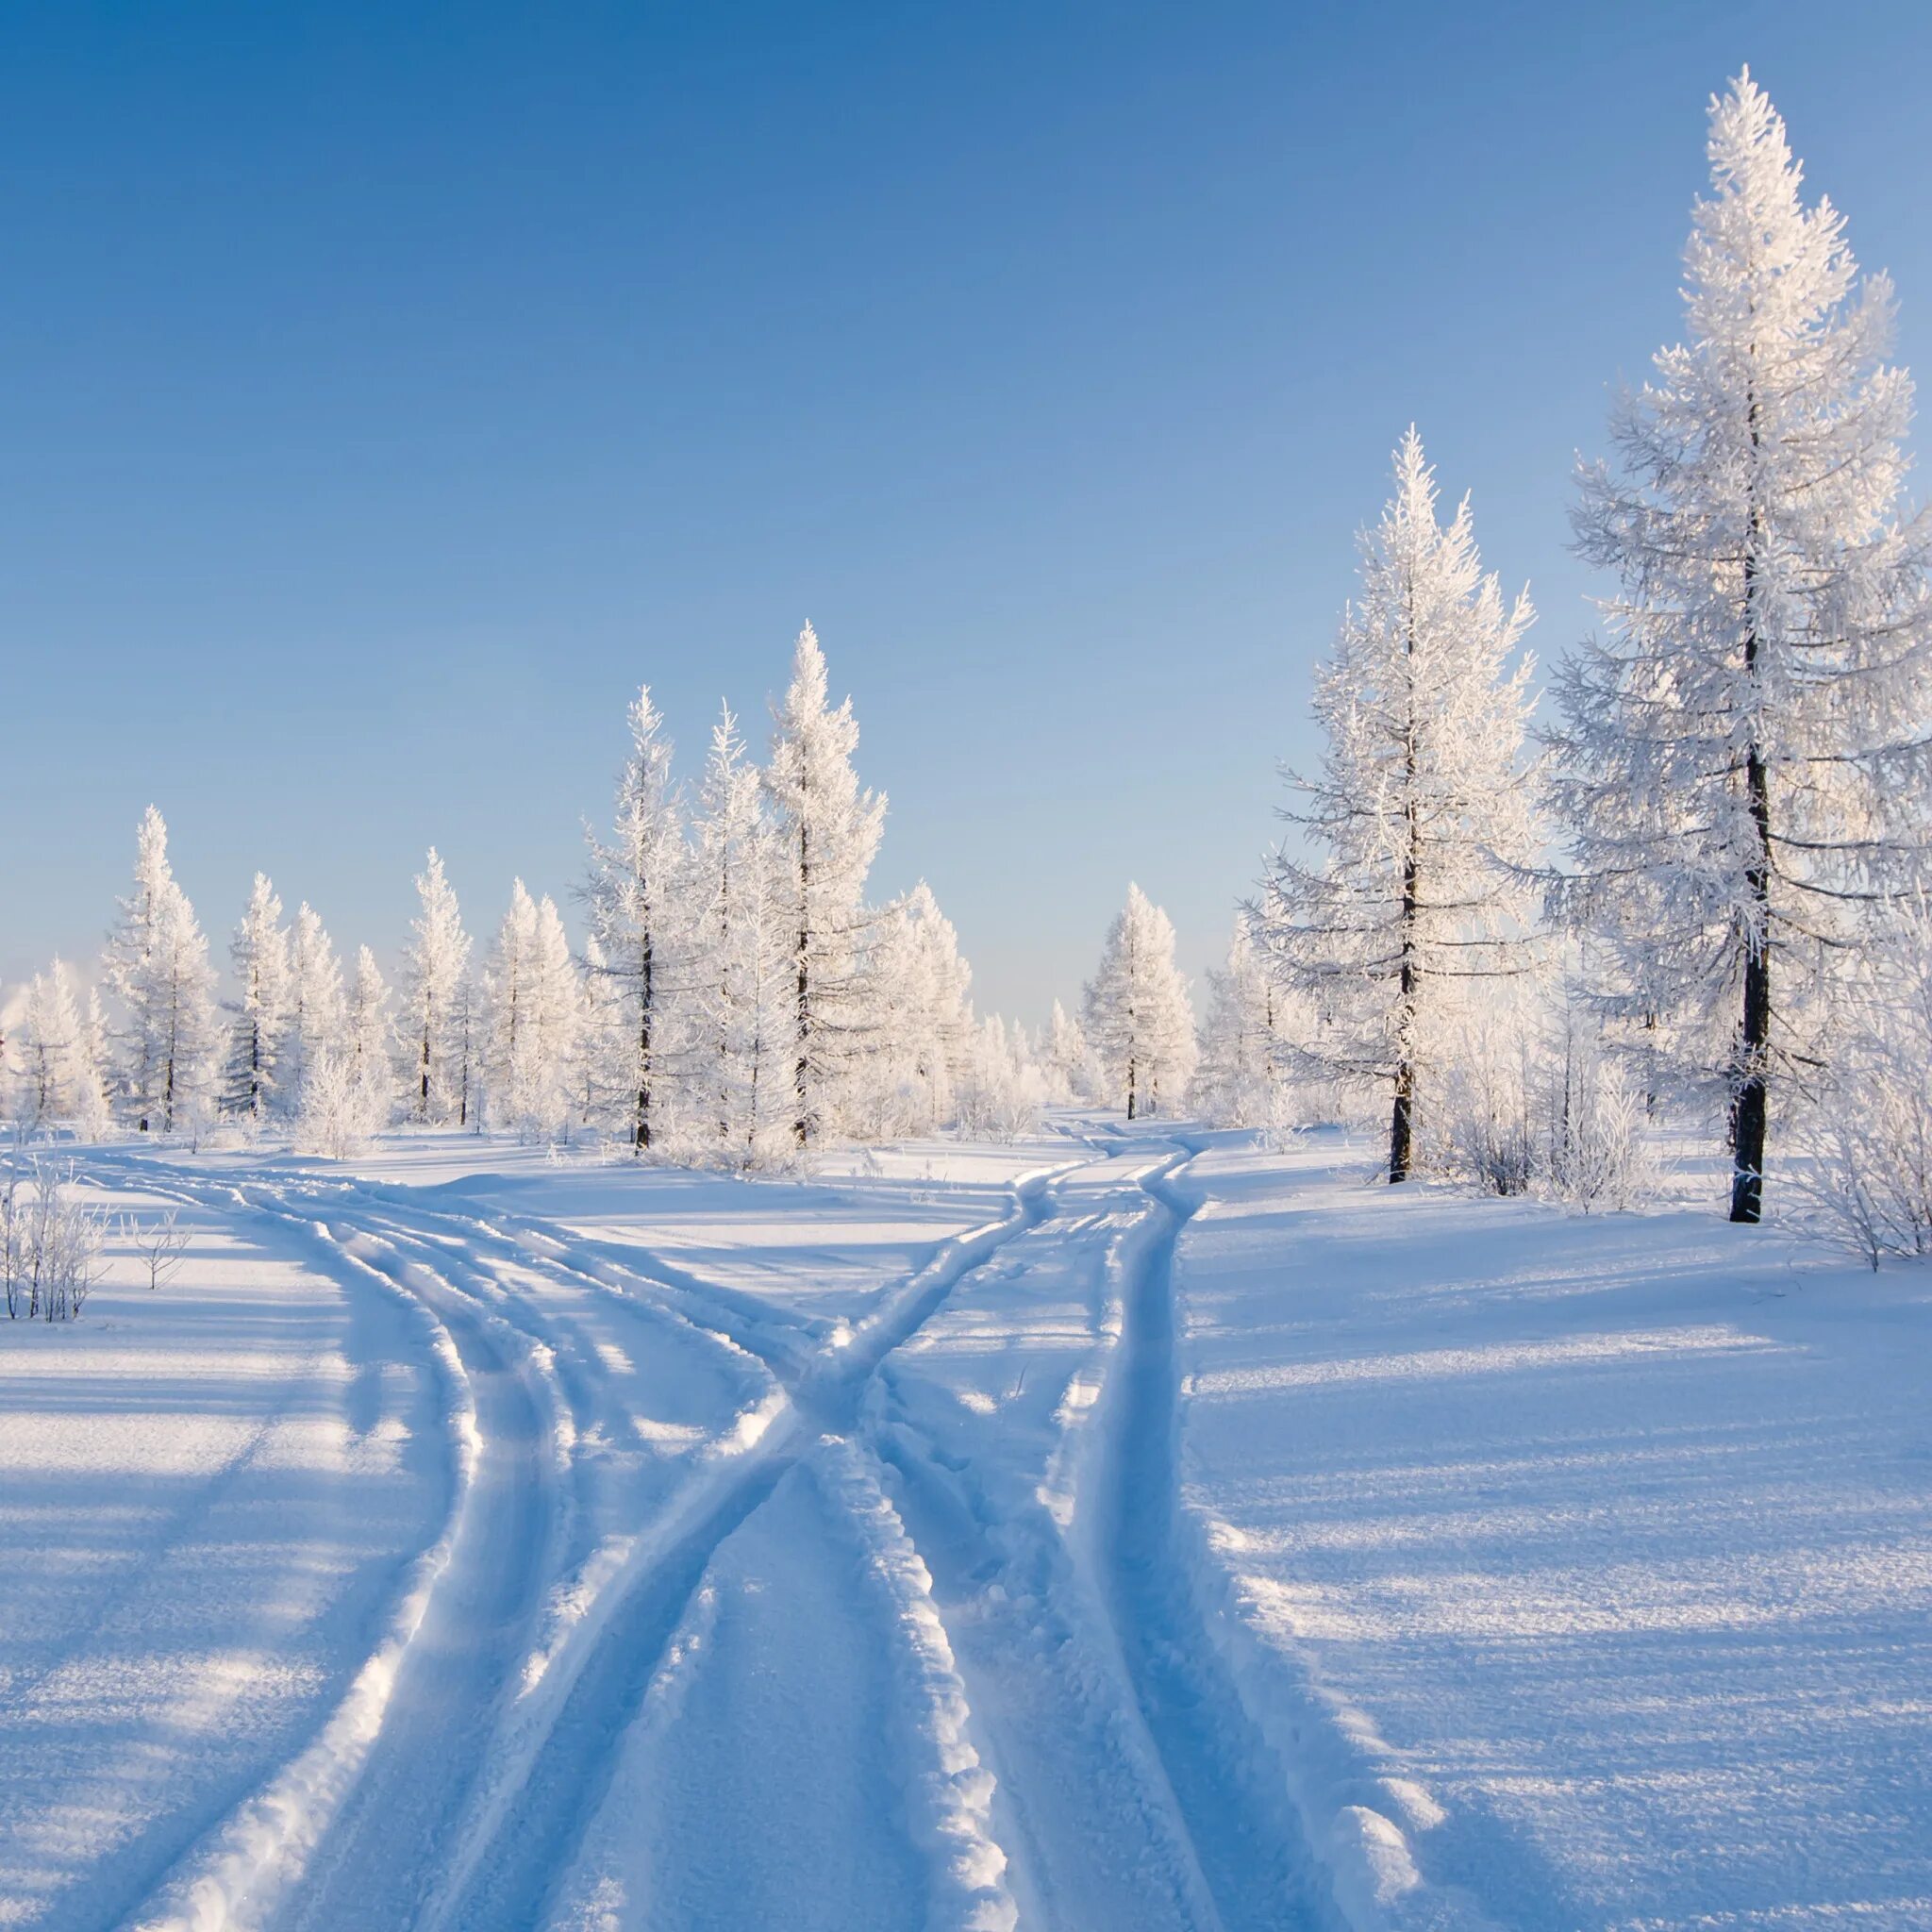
1577, 1569
1125, 1532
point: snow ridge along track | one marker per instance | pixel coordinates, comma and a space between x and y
1226, 1785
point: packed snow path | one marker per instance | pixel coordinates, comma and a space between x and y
794, 1575
1101, 1535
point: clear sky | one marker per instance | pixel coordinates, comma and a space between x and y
388, 391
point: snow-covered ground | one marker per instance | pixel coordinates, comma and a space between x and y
1127, 1529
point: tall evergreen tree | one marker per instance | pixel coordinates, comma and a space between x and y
830, 831
740, 955
632, 901
316, 1017
1067, 1059
1421, 815
369, 1041
1240, 1081
1140, 1022
1744, 758
48, 1049
259, 956
436, 980
157, 966
530, 998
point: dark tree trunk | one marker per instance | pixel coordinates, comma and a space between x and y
1749, 1106
1402, 1124
643, 1138
1749, 1110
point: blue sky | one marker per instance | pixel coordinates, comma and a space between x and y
388, 392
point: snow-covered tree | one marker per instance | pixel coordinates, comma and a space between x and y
830, 831
316, 1016
998, 1088
740, 1071
561, 1012
94, 1114
259, 956
1744, 755
530, 1020
157, 967
1066, 1061
368, 1041
1140, 1023
55, 1078
631, 897
927, 1039
436, 1003
1421, 816
512, 1074
1240, 1081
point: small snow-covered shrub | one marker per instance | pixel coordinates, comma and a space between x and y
1600, 1151
1867, 1128
1538, 1102
50, 1242
1490, 1125
343, 1110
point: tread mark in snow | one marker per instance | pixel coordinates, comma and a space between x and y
1228, 1789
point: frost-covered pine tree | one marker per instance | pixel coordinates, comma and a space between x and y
436, 977
512, 1073
369, 1041
998, 1087
740, 953
1744, 758
94, 1114
316, 1017
928, 1043
561, 1012
1240, 1081
52, 1079
830, 832
157, 967
529, 1020
1066, 1061
1421, 817
1140, 1023
632, 901
259, 958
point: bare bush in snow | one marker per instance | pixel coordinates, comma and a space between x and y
160, 1243
50, 1242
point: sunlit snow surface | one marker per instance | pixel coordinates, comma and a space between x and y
1125, 1529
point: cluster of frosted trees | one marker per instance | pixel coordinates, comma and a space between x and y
1703, 888
737, 999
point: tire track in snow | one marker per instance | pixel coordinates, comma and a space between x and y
464, 1657
1226, 1785
248, 1865
516, 1876
1083, 1803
